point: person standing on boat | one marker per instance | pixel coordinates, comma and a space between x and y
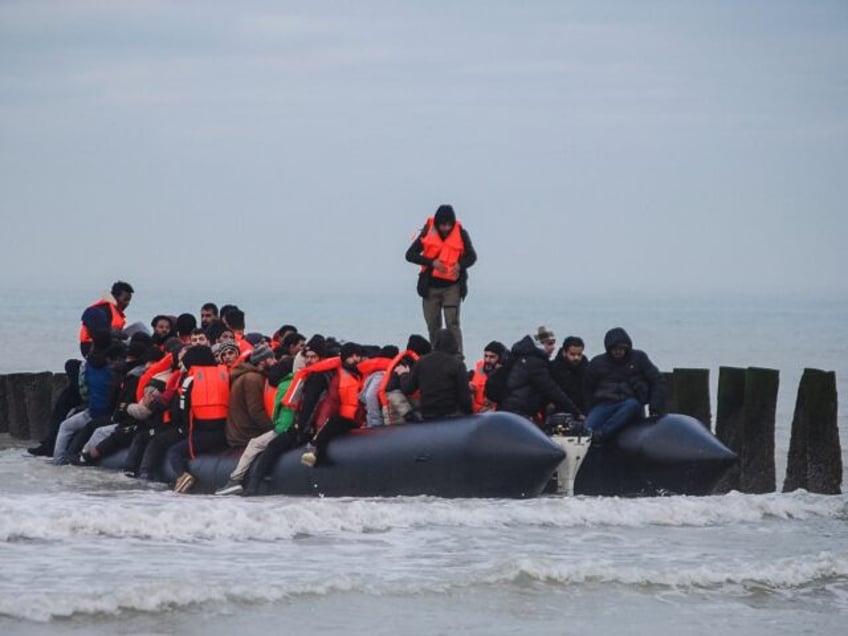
105, 315
618, 385
443, 250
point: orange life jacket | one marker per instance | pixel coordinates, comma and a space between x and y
160, 366
118, 319
448, 250
270, 393
389, 370
244, 346
210, 396
479, 381
373, 365
210, 392
349, 388
294, 395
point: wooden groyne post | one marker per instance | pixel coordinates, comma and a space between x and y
815, 452
757, 465
692, 394
730, 417
745, 423
26, 402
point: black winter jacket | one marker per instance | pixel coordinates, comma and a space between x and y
529, 385
611, 380
570, 378
442, 379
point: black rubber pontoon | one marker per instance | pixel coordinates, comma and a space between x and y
488, 455
675, 454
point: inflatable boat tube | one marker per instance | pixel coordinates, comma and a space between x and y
675, 454
489, 455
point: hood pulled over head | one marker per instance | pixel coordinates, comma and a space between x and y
617, 336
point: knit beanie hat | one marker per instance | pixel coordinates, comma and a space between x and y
254, 338
349, 349
495, 347
419, 344
260, 353
444, 214
317, 344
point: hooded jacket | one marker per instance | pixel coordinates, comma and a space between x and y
247, 417
529, 385
633, 376
441, 378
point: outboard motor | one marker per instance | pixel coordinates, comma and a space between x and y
575, 439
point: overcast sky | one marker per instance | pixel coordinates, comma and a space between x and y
657, 146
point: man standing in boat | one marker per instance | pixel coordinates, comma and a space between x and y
618, 385
105, 315
443, 250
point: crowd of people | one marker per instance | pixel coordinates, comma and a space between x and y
184, 388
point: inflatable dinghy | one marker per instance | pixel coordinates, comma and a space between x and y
490, 455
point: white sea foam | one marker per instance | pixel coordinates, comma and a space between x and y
166, 595
780, 574
167, 517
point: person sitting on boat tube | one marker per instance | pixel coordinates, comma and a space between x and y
493, 357
293, 431
569, 370
373, 371
344, 411
202, 406
529, 387
397, 407
441, 378
618, 385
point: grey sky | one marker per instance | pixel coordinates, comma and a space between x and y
653, 146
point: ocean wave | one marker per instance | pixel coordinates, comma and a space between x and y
167, 595
787, 573
163, 516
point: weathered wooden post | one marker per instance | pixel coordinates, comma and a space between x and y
38, 401
18, 421
670, 397
815, 454
4, 406
730, 418
758, 468
692, 394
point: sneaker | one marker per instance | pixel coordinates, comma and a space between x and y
39, 451
231, 488
184, 482
130, 473
308, 459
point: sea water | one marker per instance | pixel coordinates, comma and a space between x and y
90, 551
